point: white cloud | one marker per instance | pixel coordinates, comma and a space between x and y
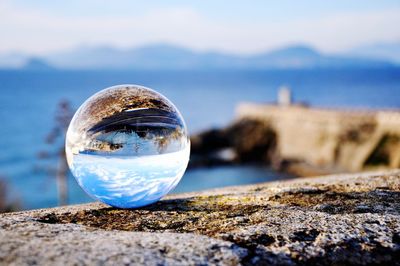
39, 31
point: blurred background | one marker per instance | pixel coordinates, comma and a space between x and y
205, 56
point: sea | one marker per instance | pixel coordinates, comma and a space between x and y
207, 99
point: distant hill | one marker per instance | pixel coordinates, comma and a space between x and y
173, 57
306, 57
386, 51
36, 64
12, 60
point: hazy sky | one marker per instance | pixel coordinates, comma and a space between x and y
40, 27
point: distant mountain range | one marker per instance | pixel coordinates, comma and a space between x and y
385, 51
173, 57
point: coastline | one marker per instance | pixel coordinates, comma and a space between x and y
302, 140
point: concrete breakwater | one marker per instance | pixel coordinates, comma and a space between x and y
326, 140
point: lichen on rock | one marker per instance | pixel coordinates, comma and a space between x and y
347, 219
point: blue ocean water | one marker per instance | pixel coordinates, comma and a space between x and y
29, 99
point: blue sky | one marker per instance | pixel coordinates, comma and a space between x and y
40, 27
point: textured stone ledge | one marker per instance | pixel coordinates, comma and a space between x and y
342, 219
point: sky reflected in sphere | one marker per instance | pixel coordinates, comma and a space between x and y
127, 146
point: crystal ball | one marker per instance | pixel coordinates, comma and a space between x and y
127, 146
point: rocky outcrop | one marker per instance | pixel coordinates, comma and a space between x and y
248, 140
346, 140
303, 141
331, 220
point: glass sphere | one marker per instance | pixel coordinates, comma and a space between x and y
127, 146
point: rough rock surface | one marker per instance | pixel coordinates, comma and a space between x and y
332, 220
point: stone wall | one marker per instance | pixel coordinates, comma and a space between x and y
345, 140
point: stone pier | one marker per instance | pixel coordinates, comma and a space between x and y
347, 140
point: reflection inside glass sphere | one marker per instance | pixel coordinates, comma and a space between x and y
127, 146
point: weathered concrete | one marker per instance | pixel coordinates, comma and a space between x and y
348, 140
346, 219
